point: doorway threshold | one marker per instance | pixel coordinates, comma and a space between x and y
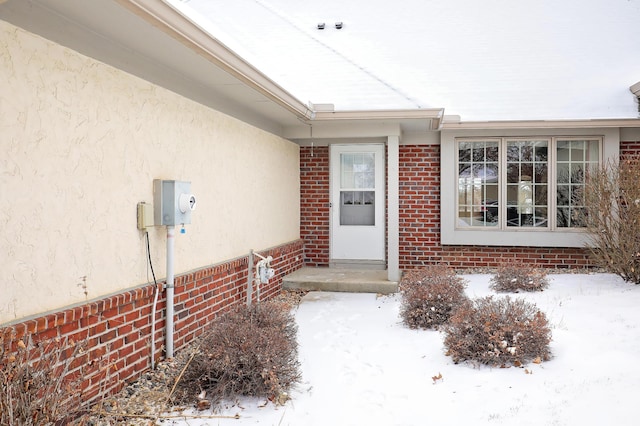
340, 279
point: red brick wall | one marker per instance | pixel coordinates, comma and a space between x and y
419, 216
629, 148
490, 256
419, 205
420, 223
314, 204
117, 329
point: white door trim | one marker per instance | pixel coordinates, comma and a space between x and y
362, 246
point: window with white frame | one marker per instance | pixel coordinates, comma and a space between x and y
517, 183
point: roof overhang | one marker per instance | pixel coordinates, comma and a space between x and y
452, 123
169, 20
174, 23
155, 41
362, 124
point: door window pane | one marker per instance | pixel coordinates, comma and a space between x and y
357, 208
357, 184
358, 170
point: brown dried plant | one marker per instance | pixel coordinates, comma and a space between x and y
612, 217
38, 386
516, 277
498, 332
252, 351
430, 295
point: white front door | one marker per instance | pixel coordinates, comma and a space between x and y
357, 204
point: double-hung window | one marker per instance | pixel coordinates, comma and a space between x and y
523, 183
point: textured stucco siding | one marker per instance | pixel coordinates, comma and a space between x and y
81, 143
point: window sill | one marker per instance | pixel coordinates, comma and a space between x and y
535, 237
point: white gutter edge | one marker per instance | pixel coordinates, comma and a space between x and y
172, 22
542, 124
388, 114
434, 115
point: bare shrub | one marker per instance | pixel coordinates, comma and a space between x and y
252, 351
430, 295
37, 385
515, 277
612, 217
500, 332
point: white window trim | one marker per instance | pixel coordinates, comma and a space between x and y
534, 237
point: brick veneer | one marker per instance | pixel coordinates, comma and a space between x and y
419, 205
419, 221
117, 329
630, 149
420, 224
314, 204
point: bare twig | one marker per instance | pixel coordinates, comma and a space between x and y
165, 416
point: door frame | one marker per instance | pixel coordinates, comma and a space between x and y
378, 232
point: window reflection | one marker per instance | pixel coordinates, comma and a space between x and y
575, 157
478, 175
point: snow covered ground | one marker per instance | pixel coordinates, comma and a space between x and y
361, 366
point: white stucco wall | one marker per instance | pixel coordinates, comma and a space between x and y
81, 143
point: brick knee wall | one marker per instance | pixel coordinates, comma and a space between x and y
117, 329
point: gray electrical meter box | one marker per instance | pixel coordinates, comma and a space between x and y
172, 202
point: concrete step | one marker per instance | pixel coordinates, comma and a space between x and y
335, 279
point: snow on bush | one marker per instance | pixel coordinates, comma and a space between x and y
498, 332
515, 277
430, 295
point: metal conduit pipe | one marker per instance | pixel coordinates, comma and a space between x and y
170, 289
250, 278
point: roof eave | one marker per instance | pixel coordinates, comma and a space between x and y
172, 22
433, 115
542, 124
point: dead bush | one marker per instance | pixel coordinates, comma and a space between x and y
612, 217
515, 277
37, 387
252, 351
499, 332
430, 295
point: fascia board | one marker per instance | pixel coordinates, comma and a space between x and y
171, 21
342, 129
542, 124
392, 114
